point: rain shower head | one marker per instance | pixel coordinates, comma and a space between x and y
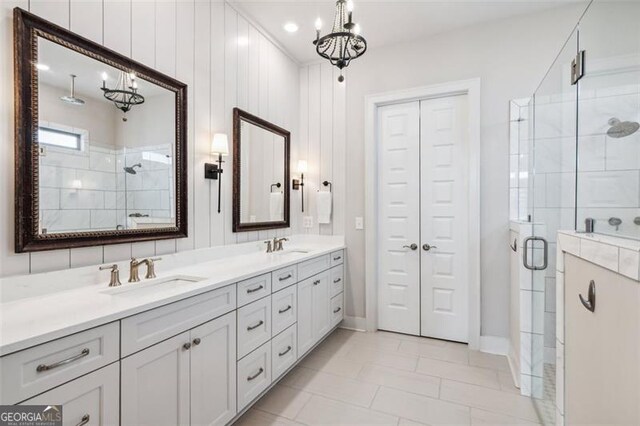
621, 129
132, 169
71, 99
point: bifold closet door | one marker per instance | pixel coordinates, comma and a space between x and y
444, 211
399, 218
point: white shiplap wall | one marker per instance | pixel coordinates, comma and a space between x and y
225, 60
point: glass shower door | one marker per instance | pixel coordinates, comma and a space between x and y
552, 208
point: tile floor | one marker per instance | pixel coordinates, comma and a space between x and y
392, 379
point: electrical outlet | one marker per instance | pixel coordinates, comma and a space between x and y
307, 222
359, 222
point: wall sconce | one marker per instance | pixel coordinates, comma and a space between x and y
299, 183
219, 147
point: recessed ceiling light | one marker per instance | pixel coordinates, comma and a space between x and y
42, 67
291, 27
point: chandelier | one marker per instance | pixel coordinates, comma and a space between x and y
125, 94
344, 43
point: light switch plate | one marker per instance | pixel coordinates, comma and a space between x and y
359, 222
307, 222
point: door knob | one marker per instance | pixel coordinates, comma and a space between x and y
427, 247
413, 246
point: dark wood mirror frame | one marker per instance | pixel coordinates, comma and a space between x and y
239, 116
27, 29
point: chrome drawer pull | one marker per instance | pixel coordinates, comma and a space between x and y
44, 367
336, 310
286, 351
337, 258
316, 282
253, 290
253, 327
282, 311
590, 302
337, 280
285, 278
85, 419
250, 378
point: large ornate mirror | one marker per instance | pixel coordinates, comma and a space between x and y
100, 143
260, 174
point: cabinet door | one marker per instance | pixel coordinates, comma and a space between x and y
321, 305
88, 400
305, 323
213, 371
155, 384
602, 348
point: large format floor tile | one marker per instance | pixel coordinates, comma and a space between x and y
385, 378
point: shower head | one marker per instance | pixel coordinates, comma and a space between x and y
71, 99
132, 169
621, 129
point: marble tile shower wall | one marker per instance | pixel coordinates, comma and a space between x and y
89, 190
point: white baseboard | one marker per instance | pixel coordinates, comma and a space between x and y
494, 345
354, 323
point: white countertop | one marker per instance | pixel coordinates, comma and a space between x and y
29, 321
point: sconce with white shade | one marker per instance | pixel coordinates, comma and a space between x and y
298, 184
219, 147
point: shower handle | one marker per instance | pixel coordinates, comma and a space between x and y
525, 254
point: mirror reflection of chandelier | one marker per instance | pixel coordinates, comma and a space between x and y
125, 94
344, 43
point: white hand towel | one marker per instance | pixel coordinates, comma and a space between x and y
324, 206
276, 206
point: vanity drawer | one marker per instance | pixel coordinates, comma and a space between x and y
311, 267
337, 258
337, 280
150, 327
254, 326
254, 375
93, 399
284, 351
253, 289
283, 278
283, 309
32, 371
337, 309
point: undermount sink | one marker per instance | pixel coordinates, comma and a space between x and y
291, 252
132, 289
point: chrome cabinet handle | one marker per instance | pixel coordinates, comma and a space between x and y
286, 351
514, 246
253, 327
253, 290
45, 367
525, 254
196, 341
316, 282
186, 346
260, 371
337, 258
590, 302
336, 310
413, 246
427, 247
285, 278
85, 419
337, 280
282, 311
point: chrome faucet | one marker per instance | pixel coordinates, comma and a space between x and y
134, 275
115, 274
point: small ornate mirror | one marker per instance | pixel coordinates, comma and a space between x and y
260, 174
100, 143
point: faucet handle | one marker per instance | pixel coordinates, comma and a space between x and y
115, 274
151, 267
269, 246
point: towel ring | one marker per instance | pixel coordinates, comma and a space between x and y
277, 185
326, 183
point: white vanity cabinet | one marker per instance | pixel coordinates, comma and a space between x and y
187, 379
602, 347
313, 311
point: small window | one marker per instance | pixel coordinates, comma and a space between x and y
59, 138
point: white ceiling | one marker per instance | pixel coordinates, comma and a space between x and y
382, 22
